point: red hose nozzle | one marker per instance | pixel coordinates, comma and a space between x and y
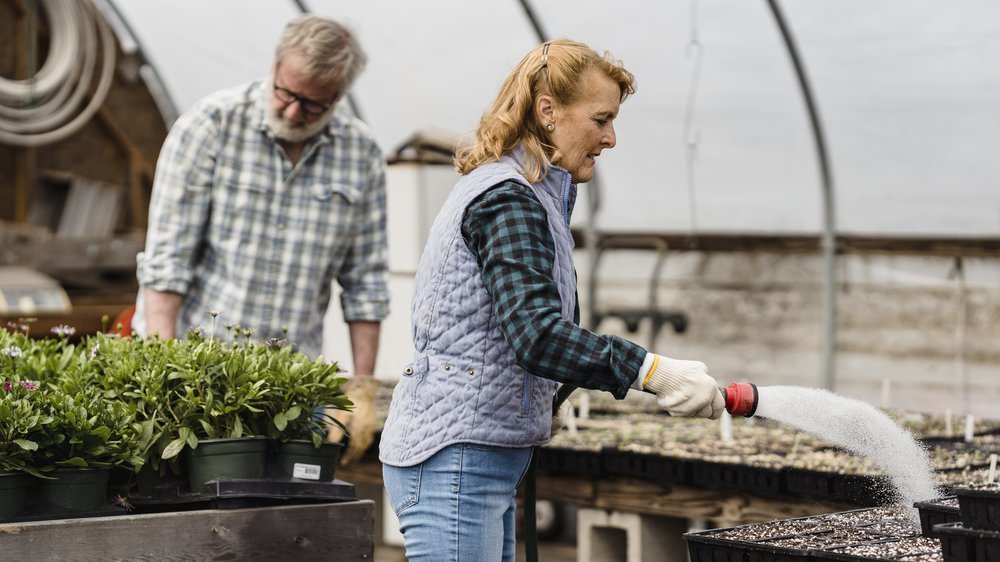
741, 398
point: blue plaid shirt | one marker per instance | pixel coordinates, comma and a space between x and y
507, 230
234, 228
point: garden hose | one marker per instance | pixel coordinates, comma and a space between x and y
57, 101
531, 484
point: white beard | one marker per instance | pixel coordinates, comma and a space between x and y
293, 131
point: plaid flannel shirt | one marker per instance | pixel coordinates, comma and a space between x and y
234, 228
507, 230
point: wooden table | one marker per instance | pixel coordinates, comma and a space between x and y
340, 531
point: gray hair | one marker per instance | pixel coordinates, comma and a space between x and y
331, 51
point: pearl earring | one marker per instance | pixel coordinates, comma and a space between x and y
550, 127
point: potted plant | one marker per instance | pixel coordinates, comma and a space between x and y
20, 420
215, 394
88, 435
295, 414
136, 371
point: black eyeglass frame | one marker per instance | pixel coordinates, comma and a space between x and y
309, 106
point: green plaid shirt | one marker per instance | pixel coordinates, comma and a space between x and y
507, 230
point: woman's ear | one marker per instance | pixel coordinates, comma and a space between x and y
544, 110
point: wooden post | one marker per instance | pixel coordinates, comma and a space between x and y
140, 174
26, 161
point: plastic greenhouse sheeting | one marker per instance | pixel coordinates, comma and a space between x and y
908, 92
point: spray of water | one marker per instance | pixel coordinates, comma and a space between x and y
854, 426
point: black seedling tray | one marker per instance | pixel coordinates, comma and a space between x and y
757, 479
703, 547
646, 466
239, 493
979, 509
936, 512
908, 546
848, 488
961, 544
569, 461
833, 537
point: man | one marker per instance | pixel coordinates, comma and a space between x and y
264, 194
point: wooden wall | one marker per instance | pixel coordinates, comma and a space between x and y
119, 145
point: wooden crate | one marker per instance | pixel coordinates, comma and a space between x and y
328, 531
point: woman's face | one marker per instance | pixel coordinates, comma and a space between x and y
584, 129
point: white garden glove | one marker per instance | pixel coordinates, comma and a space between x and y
684, 389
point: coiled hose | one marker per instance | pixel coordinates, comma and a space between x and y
53, 104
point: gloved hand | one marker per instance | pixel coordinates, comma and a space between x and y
360, 421
684, 388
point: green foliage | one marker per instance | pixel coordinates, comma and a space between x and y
87, 431
22, 420
112, 401
299, 385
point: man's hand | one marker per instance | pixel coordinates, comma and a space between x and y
360, 421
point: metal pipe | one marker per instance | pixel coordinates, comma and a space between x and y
828, 241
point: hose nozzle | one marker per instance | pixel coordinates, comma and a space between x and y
741, 398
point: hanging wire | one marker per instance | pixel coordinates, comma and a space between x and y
689, 136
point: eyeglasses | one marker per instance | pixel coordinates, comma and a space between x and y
311, 107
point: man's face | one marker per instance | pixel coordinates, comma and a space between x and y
298, 108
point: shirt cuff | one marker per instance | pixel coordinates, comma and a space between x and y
647, 364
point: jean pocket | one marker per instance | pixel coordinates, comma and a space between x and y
402, 486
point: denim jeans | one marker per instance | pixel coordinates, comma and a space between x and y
458, 505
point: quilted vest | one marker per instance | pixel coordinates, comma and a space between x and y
463, 385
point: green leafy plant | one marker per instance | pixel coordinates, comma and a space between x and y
87, 430
216, 390
22, 419
302, 390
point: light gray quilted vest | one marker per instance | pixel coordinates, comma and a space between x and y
463, 385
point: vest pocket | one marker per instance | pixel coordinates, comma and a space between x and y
526, 399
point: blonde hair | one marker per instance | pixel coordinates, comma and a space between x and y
332, 53
555, 68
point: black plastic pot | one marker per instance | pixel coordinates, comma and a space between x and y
961, 544
303, 460
244, 458
936, 512
979, 509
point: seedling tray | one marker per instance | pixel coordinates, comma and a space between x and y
888, 550
703, 547
239, 493
935, 512
761, 480
860, 534
961, 544
979, 509
646, 466
849, 488
569, 461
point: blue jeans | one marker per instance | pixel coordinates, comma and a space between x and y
458, 505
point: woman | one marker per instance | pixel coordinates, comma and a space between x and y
495, 314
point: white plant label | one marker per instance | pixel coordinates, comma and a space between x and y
306, 471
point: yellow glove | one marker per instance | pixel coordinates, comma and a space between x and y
359, 421
684, 388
